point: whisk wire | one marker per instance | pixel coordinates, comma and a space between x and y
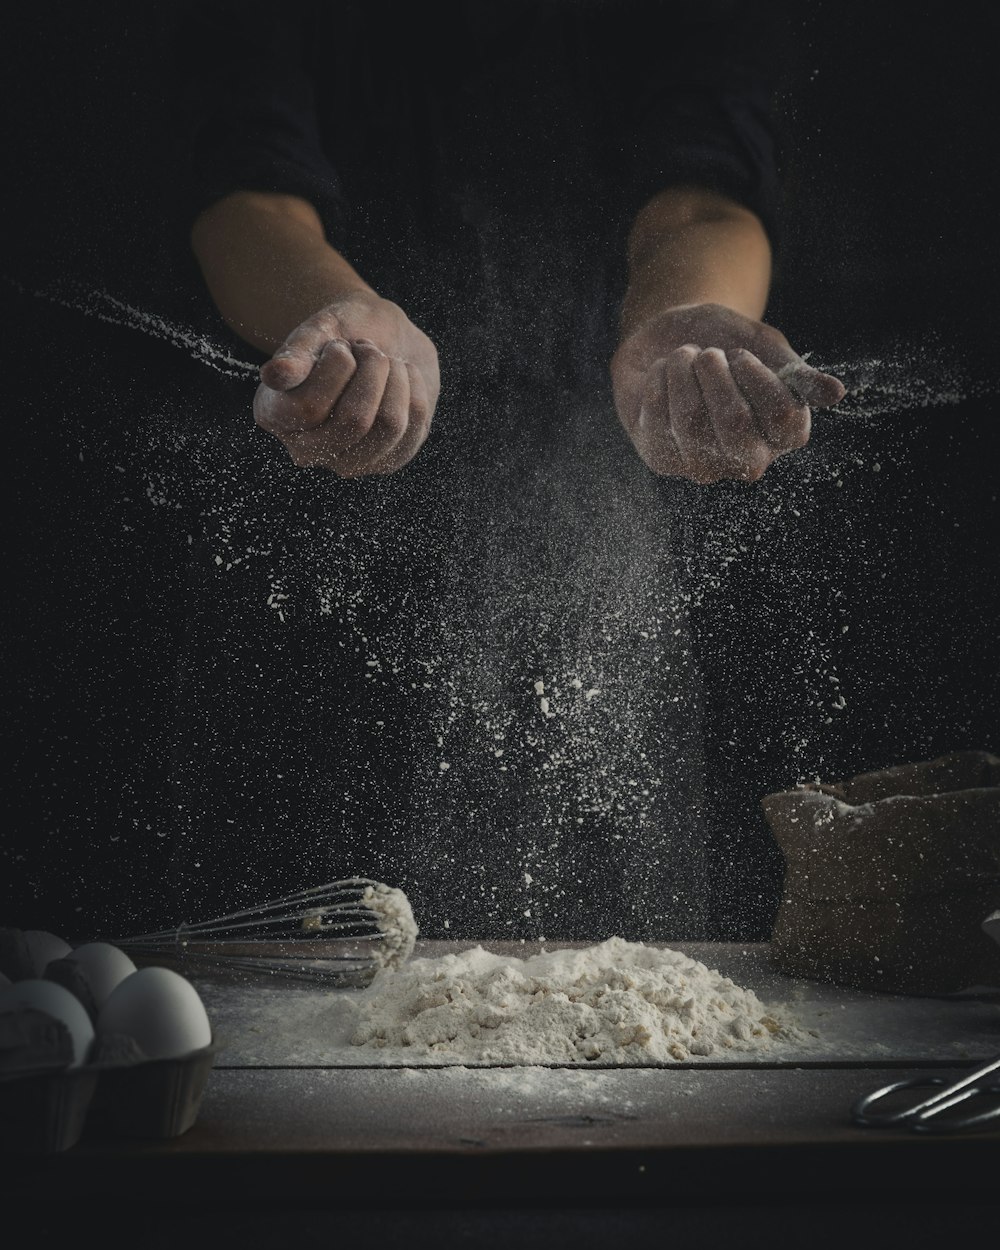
318, 933
257, 917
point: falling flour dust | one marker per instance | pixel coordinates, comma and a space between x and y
615, 1003
539, 663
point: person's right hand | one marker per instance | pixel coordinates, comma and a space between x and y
352, 389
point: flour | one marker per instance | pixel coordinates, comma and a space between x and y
106, 307
395, 921
615, 1003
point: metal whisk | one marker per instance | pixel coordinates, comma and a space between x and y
342, 933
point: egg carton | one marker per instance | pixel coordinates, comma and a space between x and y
47, 1111
47, 1101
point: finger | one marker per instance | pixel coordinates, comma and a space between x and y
742, 449
357, 408
388, 429
352, 417
292, 363
417, 427
308, 405
689, 421
821, 390
783, 419
653, 434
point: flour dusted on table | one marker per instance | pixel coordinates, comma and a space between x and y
617, 1002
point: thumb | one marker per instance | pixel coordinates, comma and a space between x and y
287, 369
292, 363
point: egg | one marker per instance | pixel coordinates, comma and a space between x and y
56, 1002
101, 967
161, 1010
43, 947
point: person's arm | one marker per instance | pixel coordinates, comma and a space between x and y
689, 246
352, 383
703, 387
268, 266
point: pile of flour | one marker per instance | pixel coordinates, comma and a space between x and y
617, 1002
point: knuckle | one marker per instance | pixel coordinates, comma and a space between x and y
795, 434
711, 358
757, 464
772, 335
338, 364
352, 421
743, 362
366, 349
337, 352
685, 354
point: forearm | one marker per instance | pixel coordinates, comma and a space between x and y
268, 265
691, 246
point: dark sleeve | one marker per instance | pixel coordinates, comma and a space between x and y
698, 103
248, 108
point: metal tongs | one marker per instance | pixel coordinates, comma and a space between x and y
922, 1116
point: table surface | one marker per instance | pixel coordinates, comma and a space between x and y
298, 1025
291, 1108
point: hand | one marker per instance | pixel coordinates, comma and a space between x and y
352, 389
707, 393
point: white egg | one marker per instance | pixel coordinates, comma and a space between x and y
161, 1010
57, 1002
43, 948
102, 966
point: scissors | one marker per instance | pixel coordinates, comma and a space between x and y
921, 1116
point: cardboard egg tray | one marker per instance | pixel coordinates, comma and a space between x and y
45, 1105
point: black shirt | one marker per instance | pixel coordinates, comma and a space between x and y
412, 127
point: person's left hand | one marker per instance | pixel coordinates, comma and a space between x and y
707, 393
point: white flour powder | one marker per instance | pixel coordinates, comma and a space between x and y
618, 1002
395, 921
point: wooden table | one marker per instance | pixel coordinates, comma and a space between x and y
289, 1131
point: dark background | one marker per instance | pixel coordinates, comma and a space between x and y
173, 745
